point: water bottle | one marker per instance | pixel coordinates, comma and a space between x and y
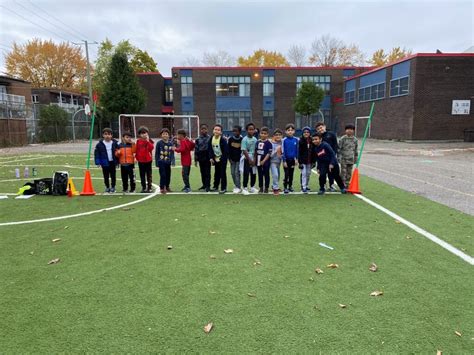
26, 173
35, 172
17, 173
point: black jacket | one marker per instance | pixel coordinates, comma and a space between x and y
331, 139
224, 149
235, 148
324, 155
201, 150
305, 147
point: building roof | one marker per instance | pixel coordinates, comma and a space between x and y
8, 77
272, 68
57, 91
149, 73
416, 55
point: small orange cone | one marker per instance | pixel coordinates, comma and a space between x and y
69, 191
88, 189
354, 184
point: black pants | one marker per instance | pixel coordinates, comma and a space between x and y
205, 168
165, 174
289, 172
127, 172
109, 172
185, 173
220, 175
248, 170
145, 175
324, 172
264, 174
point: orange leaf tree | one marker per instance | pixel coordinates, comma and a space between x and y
47, 64
263, 58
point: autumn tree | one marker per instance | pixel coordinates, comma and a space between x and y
380, 58
297, 55
142, 62
263, 58
329, 51
47, 64
308, 99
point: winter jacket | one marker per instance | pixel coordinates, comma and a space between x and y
348, 150
289, 148
324, 155
224, 150
185, 147
331, 139
305, 147
126, 153
235, 148
143, 150
201, 151
100, 153
164, 152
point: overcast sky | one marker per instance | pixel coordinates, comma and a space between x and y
172, 31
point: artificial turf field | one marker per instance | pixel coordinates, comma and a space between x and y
118, 288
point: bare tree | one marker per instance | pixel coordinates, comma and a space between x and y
191, 62
297, 55
218, 59
331, 51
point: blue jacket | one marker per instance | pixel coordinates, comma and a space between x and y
164, 153
100, 153
289, 148
324, 155
224, 149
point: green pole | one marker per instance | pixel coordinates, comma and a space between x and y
365, 134
88, 163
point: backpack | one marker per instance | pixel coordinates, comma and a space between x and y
44, 186
60, 180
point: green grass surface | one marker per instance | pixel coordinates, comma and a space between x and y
119, 289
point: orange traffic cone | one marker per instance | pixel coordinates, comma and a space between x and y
88, 189
69, 191
354, 184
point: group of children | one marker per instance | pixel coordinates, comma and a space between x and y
249, 157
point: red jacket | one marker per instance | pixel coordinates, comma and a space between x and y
143, 151
186, 146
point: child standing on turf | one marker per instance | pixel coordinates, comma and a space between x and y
289, 157
327, 162
164, 158
185, 147
305, 148
201, 156
248, 159
235, 152
263, 155
218, 155
275, 160
126, 156
348, 153
104, 155
331, 139
144, 149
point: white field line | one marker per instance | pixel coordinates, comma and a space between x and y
418, 180
469, 259
18, 160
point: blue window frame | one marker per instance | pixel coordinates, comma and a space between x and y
323, 81
233, 86
186, 86
268, 85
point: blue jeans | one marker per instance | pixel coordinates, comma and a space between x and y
275, 169
234, 169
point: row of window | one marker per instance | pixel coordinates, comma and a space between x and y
398, 87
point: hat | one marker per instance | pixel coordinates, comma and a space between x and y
307, 129
142, 129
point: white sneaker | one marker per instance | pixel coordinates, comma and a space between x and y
253, 190
245, 192
236, 190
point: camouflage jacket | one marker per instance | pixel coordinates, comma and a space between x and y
348, 150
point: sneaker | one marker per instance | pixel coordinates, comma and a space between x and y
245, 192
214, 189
143, 191
168, 189
187, 190
305, 191
163, 191
276, 192
222, 192
321, 192
286, 191
208, 189
183, 189
308, 189
260, 190
253, 190
265, 191
291, 189
343, 191
112, 190
236, 190
149, 191
107, 189
132, 191
125, 191
202, 188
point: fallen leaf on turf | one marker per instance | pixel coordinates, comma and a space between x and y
311, 279
439, 352
342, 305
212, 232
251, 295
203, 215
32, 252
257, 263
54, 261
373, 267
408, 237
170, 247
458, 333
333, 266
56, 240
318, 271
397, 221
208, 327
176, 220
228, 251
66, 227
377, 293
212, 257
126, 209
286, 236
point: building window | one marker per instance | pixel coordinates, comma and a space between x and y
186, 86
322, 116
349, 97
228, 119
269, 118
233, 86
399, 87
35, 99
373, 92
323, 81
268, 85
169, 93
